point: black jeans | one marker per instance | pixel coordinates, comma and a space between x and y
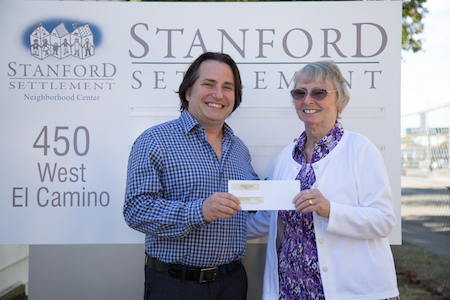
160, 286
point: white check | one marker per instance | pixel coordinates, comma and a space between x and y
265, 194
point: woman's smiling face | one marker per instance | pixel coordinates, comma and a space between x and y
318, 114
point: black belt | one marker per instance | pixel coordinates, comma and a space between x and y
201, 275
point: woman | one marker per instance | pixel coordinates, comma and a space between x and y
334, 245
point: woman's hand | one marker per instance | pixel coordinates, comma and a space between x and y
312, 200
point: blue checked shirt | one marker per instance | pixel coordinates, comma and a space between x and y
172, 169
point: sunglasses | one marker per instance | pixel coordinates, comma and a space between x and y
316, 94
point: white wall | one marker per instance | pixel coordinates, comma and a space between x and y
13, 267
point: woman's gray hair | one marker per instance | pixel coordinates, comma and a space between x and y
319, 72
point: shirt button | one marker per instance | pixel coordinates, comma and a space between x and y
321, 241
325, 269
316, 166
316, 184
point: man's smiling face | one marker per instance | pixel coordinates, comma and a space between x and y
211, 98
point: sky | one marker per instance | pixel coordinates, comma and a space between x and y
425, 82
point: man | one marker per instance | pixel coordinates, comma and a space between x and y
177, 180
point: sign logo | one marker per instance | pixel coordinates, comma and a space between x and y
77, 73
60, 43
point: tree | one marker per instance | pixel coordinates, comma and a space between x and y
412, 14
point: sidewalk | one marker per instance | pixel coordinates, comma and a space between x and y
424, 257
426, 210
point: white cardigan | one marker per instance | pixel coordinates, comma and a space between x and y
355, 258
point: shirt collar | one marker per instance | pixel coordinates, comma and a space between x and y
188, 122
322, 148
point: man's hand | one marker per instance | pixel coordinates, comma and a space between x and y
220, 206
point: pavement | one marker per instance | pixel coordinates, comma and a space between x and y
426, 210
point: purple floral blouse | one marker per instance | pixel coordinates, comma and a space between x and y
298, 264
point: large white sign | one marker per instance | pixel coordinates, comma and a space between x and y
81, 80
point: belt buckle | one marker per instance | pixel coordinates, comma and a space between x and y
202, 274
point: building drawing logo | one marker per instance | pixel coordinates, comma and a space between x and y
60, 43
